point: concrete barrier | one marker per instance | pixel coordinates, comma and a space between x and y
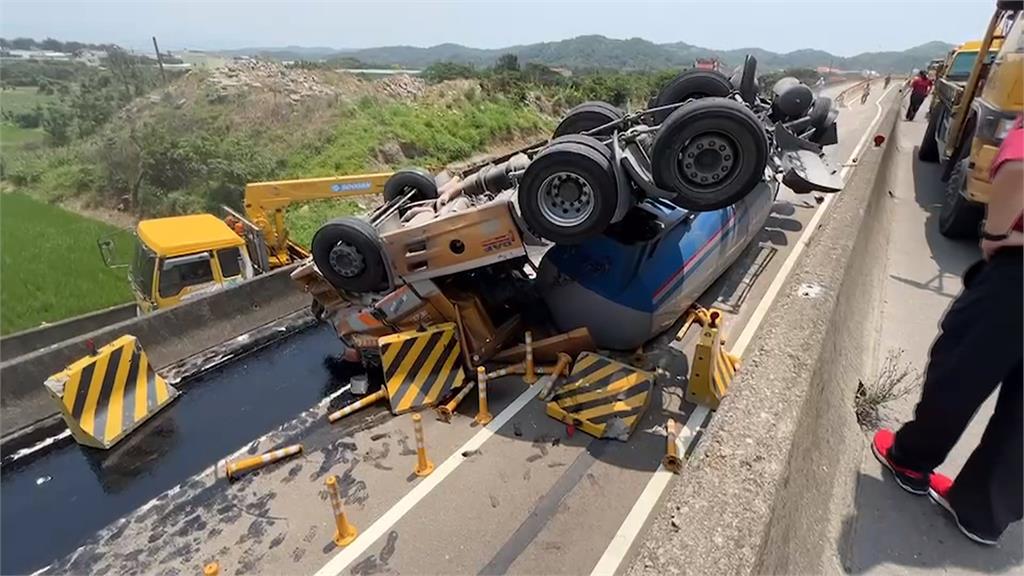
168, 336
34, 339
765, 490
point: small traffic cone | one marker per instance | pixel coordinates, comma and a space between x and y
344, 532
233, 469
673, 460
531, 375
446, 411
423, 465
483, 416
547, 382
211, 569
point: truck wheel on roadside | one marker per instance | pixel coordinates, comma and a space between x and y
587, 116
408, 180
711, 153
568, 192
928, 151
349, 254
689, 84
959, 217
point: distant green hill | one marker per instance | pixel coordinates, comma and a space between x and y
594, 52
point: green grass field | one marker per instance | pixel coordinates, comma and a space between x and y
303, 220
50, 268
20, 99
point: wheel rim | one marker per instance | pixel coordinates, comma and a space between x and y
707, 160
565, 199
346, 260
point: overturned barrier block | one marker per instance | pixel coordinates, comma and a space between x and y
711, 370
106, 395
421, 367
602, 397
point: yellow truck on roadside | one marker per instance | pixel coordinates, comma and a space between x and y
975, 101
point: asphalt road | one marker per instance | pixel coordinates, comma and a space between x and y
517, 496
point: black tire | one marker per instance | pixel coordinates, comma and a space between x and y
928, 151
731, 139
585, 166
362, 252
690, 84
402, 181
959, 217
819, 112
588, 116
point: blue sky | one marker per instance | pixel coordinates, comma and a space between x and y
841, 27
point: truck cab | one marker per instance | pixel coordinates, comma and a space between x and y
182, 257
975, 101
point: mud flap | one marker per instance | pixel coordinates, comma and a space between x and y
602, 397
805, 167
105, 396
421, 367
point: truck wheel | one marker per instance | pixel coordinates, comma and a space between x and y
711, 153
349, 253
588, 116
959, 217
928, 151
407, 180
568, 193
690, 84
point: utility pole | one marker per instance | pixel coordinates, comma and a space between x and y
160, 60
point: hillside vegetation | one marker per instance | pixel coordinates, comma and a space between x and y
600, 52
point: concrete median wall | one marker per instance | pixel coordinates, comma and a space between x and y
31, 340
765, 491
168, 336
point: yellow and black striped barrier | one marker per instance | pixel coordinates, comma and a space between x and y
108, 394
711, 369
602, 397
420, 368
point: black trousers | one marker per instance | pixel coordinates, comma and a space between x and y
980, 346
915, 103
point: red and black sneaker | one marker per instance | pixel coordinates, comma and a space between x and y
938, 491
910, 480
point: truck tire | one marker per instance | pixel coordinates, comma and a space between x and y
710, 152
568, 192
588, 116
689, 84
406, 180
959, 217
928, 151
349, 253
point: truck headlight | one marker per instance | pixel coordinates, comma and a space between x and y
993, 124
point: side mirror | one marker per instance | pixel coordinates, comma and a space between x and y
107, 247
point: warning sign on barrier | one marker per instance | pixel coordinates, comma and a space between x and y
420, 368
106, 395
602, 397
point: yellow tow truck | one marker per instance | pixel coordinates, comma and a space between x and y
975, 101
180, 257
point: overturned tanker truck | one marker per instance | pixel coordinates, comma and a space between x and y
617, 224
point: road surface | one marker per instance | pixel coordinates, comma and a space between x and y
517, 496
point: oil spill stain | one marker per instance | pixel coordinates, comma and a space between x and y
494, 500
389, 547
297, 554
277, 541
292, 474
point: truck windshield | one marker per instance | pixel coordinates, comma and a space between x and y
142, 269
960, 68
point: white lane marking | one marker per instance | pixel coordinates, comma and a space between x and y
622, 542
637, 517
38, 446
382, 525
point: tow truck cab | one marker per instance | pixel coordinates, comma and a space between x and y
181, 257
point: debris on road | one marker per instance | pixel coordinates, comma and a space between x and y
109, 393
673, 459
548, 349
232, 470
712, 367
547, 382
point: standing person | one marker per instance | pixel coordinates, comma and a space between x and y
979, 348
919, 88
888, 79
867, 92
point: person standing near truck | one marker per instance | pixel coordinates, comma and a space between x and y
979, 348
919, 88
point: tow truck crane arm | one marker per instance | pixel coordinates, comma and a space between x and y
265, 203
